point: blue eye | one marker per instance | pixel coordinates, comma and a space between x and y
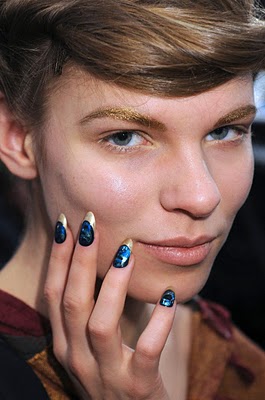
125, 139
226, 133
121, 138
220, 133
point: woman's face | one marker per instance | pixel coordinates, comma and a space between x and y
169, 173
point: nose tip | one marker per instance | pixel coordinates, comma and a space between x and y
194, 192
203, 199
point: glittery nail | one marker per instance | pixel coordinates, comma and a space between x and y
86, 236
122, 256
60, 229
168, 298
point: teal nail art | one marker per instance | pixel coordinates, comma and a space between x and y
168, 298
60, 229
86, 236
122, 256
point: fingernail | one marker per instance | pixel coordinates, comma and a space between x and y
86, 236
60, 229
122, 256
168, 298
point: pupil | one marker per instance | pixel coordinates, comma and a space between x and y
220, 133
123, 138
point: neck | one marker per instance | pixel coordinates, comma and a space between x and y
135, 317
29, 265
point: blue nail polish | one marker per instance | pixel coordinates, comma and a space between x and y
60, 230
168, 298
86, 237
122, 257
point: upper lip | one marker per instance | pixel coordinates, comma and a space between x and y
182, 241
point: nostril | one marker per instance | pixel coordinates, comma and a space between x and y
198, 199
203, 205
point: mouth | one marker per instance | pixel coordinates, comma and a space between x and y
181, 251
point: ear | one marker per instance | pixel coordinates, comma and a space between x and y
16, 150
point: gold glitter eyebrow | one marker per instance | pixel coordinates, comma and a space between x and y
241, 112
125, 114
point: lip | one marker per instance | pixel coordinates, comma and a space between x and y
180, 251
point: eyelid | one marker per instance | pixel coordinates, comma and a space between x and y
244, 122
122, 149
107, 135
239, 133
240, 127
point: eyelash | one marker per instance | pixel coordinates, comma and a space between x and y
240, 133
119, 148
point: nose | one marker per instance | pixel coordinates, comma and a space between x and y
189, 186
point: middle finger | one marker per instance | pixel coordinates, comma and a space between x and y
78, 299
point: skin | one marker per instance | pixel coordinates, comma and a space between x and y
144, 193
192, 201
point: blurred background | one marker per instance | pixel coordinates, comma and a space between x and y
12, 207
238, 277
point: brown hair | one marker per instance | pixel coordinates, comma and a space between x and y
160, 47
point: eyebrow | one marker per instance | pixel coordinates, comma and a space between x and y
236, 114
124, 114
131, 115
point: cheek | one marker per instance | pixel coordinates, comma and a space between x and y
235, 180
111, 195
115, 199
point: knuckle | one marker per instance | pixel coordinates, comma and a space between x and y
147, 353
77, 366
76, 302
52, 294
59, 352
71, 304
99, 331
74, 365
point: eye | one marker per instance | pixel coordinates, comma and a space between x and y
227, 133
126, 138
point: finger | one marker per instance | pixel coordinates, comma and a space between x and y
153, 339
58, 268
78, 299
104, 323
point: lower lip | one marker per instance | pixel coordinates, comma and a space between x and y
181, 256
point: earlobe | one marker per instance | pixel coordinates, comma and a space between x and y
16, 150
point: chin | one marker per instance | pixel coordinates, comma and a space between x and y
186, 283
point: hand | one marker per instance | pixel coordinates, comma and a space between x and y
87, 335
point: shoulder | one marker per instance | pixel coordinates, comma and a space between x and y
245, 373
17, 379
224, 363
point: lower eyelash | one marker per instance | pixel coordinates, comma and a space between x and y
115, 148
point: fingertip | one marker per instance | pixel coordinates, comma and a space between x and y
87, 231
123, 255
60, 232
63, 237
168, 298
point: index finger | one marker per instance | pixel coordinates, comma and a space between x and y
58, 268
